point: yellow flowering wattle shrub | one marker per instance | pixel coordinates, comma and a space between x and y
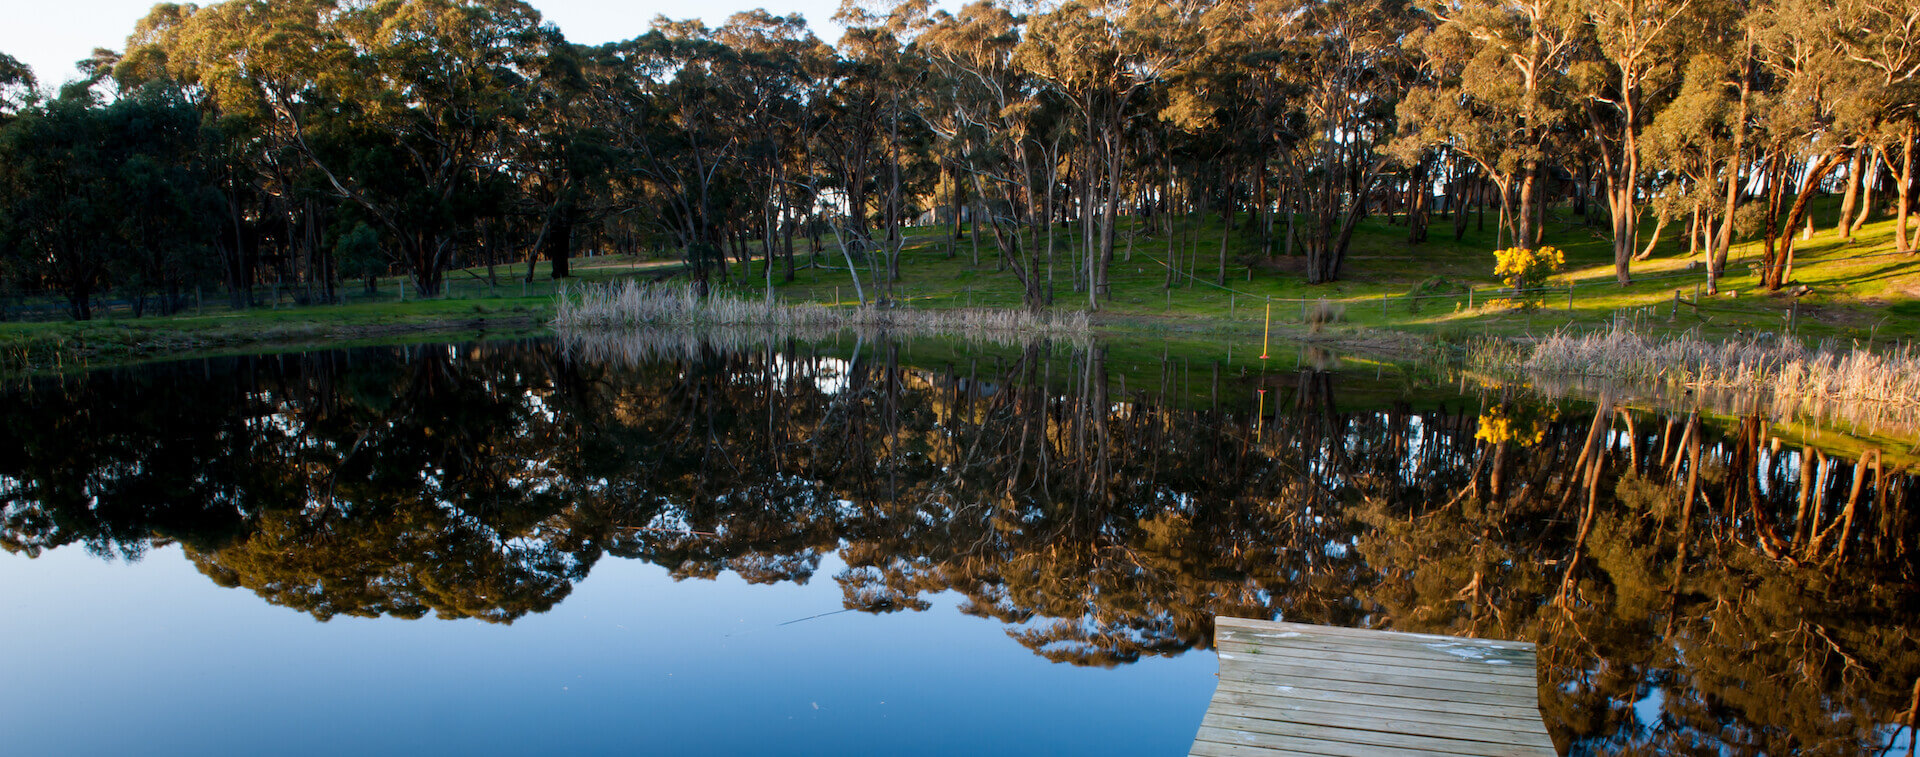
1522, 423
1524, 269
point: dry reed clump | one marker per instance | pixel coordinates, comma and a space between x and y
1783, 367
635, 347
1323, 313
631, 305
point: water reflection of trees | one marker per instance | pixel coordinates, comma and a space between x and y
1754, 594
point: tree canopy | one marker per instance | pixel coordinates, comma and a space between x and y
462, 132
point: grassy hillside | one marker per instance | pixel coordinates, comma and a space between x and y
1853, 297
1392, 293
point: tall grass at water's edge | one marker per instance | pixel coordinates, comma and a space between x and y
633, 305
1784, 368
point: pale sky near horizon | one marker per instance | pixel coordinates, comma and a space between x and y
51, 35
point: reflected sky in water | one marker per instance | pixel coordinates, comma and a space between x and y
151, 658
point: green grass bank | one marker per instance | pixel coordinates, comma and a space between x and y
1394, 297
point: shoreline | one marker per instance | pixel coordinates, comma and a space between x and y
63, 346
66, 346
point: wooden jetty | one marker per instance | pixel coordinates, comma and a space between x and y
1297, 690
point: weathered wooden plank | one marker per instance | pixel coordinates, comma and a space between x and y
1471, 656
1519, 672
1463, 648
1405, 707
1446, 675
1363, 690
1491, 658
1282, 734
1293, 690
1216, 741
1251, 743
1495, 730
1210, 743
1305, 673
1280, 626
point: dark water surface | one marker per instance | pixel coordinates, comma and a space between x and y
869, 547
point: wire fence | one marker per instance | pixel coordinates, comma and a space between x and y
1692, 272
469, 285
1471, 296
1564, 296
41, 306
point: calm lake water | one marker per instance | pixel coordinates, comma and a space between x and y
860, 546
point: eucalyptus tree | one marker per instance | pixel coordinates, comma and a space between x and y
57, 203
559, 159
1221, 122
1801, 136
880, 72
772, 81
1348, 62
855, 121
1229, 103
437, 83
402, 107
16, 86
1697, 141
989, 110
1500, 96
168, 207
1101, 58
93, 194
254, 70
1880, 41
662, 98
1638, 52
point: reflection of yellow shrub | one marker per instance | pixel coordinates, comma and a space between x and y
1524, 269
1521, 423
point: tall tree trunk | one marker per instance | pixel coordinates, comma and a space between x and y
1906, 190
1626, 231
1876, 165
559, 243
1260, 204
1226, 228
1523, 228
1458, 188
1784, 267
1850, 199
1111, 214
1717, 257
1693, 230
1773, 172
896, 236
1660, 225
1480, 201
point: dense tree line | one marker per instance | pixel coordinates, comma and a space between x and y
303, 143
